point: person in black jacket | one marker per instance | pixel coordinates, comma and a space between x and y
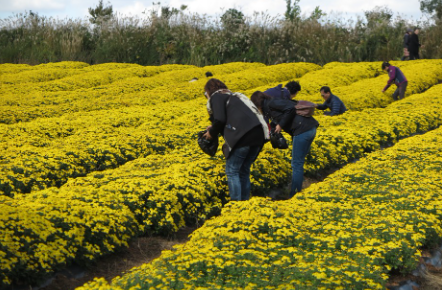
302, 129
244, 129
332, 102
414, 45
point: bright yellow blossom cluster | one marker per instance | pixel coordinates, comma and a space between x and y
46, 152
150, 116
347, 232
41, 235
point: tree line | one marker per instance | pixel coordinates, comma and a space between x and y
167, 35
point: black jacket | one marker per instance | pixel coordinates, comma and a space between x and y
233, 121
283, 113
413, 44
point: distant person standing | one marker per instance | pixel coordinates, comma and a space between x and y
398, 77
406, 55
332, 102
414, 45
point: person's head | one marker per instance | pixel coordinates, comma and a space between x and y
416, 30
409, 31
293, 87
385, 65
212, 86
325, 92
209, 74
258, 98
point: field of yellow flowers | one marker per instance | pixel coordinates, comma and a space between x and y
92, 156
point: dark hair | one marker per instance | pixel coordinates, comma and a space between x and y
293, 87
209, 74
385, 64
325, 89
258, 98
214, 85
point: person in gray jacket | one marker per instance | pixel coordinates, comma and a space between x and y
406, 55
332, 102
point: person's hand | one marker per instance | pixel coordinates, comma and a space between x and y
383, 91
316, 105
277, 129
207, 135
208, 127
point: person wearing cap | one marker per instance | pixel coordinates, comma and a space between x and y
406, 55
396, 76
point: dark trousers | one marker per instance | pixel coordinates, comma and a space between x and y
400, 91
414, 55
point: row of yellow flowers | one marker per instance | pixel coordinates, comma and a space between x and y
165, 87
347, 232
93, 88
43, 78
9, 68
359, 85
46, 152
43, 235
163, 192
193, 186
24, 103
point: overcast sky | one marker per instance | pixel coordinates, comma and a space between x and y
79, 8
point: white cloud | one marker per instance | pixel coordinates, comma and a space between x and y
135, 8
35, 5
78, 8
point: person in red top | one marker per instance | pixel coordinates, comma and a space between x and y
398, 77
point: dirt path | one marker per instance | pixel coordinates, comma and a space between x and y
140, 251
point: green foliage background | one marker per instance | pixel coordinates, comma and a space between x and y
174, 36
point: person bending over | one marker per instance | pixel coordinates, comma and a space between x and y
244, 129
331, 102
302, 129
398, 77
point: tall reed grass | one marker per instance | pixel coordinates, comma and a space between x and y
186, 38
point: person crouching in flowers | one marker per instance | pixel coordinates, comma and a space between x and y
244, 129
302, 129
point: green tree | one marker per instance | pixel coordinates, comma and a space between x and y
378, 16
232, 19
100, 14
432, 6
317, 13
167, 12
293, 12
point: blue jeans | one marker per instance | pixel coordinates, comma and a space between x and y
301, 146
238, 171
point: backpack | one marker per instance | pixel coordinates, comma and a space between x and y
305, 108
